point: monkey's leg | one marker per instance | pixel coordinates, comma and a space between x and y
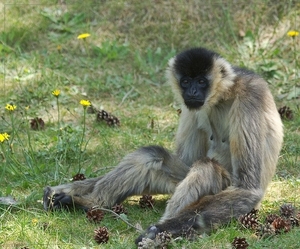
59, 196
208, 212
148, 170
206, 177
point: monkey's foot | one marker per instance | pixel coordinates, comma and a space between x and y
55, 201
150, 233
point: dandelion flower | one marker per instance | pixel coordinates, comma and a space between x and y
3, 137
10, 107
83, 36
293, 33
34, 221
56, 93
85, 103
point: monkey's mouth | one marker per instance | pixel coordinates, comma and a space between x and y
194, 103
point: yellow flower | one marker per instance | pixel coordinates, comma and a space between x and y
56, 93
10, 107
34, 221
3, 137
293, 33
83, 36
85, 103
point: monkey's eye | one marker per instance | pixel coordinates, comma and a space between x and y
202, 82
184, 82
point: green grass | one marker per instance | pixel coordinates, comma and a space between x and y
120, 68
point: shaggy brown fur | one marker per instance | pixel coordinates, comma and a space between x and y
226, 155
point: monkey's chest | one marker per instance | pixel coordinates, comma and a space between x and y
218, 145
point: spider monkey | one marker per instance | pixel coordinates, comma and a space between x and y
227, 146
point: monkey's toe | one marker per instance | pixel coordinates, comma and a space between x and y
47, 198
62, 201
150, 234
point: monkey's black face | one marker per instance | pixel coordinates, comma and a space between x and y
192, 68
194, 91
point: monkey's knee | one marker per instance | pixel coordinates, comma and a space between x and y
212, 175
206, 177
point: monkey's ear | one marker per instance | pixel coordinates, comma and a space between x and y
223, 69
173, 78
171, 62
171, 73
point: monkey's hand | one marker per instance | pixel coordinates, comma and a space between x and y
55, 201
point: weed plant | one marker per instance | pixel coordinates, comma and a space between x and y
58, 57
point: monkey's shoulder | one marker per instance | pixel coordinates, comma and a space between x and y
248, 75
242, 70
248, 82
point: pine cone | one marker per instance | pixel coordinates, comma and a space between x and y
119, 209
280, 225
37, 124
188, 232
287, 210
146, 201
78, 177
101, 235
162, 240
271, 217
294, 221
112, 120
239, 243
95, 215
107, 117
282, 111
286, 112
249, 220
102, 115
289, 114
264, 231
146, 243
